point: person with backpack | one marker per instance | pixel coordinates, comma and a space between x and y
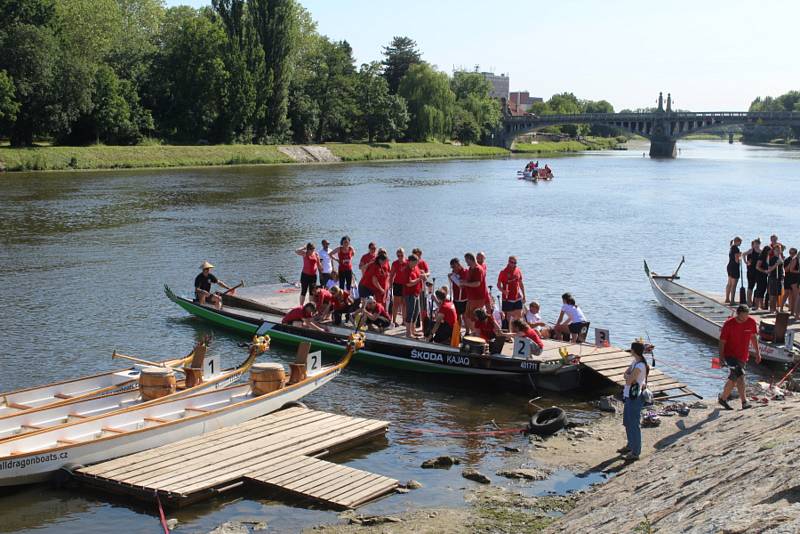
635, 384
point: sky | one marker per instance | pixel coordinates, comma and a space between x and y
712, 55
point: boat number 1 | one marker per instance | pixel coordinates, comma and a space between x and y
313, 361
211, 365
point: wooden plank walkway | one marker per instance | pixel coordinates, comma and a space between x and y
279, 451
611, 362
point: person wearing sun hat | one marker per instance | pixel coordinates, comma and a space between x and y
202, 286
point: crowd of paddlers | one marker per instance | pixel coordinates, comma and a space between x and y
385, 294
773, 275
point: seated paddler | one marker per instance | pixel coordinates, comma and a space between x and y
202, 286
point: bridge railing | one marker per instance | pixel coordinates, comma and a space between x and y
673, 115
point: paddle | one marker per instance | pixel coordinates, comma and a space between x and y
234, 288
117, 355
675, 274
742, 290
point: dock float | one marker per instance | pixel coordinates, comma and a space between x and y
611, 363
280, 452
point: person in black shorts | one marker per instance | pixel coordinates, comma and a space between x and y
761, 279
734, 259
791, 284
202, 286
750, 259
774, 277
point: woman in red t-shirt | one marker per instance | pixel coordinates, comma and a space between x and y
375, 281
445, 320
311, 264
523, 329
302, 316
344, 254
411, 292
397, 282
486, 327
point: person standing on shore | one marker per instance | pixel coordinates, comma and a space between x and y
635, 383
737, 336
751, 259
734, 261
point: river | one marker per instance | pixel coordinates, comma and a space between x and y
84, 258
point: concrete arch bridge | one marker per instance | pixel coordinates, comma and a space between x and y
663, 127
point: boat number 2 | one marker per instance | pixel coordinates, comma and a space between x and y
522, 347
313, 361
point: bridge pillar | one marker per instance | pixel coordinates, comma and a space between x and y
663, 148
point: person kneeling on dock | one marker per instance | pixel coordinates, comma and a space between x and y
375, 314
522, 329
444, 320
343, 304
302, 316
737, 336
202, 286
485, 326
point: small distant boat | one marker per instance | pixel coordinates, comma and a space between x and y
22, 400
706, 314
75, 410
534, 175
34, 457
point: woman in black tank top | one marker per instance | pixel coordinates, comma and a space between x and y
791, 268
734, 259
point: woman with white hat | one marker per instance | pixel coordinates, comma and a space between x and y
202, 286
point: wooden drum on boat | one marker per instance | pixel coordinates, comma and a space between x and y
156, 382
267, 377
297, 372
474, 346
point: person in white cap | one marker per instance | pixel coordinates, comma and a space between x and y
202, 286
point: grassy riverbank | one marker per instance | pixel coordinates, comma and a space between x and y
49, 158
571, 145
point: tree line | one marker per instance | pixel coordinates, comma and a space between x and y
236, 71
760, 134
568, 103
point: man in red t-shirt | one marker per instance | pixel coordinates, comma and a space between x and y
480, 258
473, 289
411, 292
302, 316
737, 335
324, 302
445, 320
509, 282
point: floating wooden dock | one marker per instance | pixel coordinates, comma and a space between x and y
279, 451
611, 363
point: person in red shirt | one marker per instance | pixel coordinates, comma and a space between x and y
343, 304
473, 290
343, 254
458, 274
445, 320
480, 258
509, 282
311, 264
367, 258
302, 316
737, 336
375, 281
411, 292
523, 329
376, 315
324, 302
397, 282
485, 326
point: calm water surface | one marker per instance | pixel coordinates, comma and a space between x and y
84, 258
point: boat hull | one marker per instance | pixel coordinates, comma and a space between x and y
704, 313
38, 466
389, 351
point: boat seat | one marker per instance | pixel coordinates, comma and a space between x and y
62, 396
155, 420
17, 406
113, 430
30, 427
66, 442
199, 410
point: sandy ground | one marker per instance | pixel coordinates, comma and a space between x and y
581, 449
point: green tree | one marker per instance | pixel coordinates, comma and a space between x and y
465, 128
8, 103
431, 102
381, 115
397, 59
332, 87
190, 78
600, 106
276, 24
472, 92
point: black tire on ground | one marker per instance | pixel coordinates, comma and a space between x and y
294, 404
548, 421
